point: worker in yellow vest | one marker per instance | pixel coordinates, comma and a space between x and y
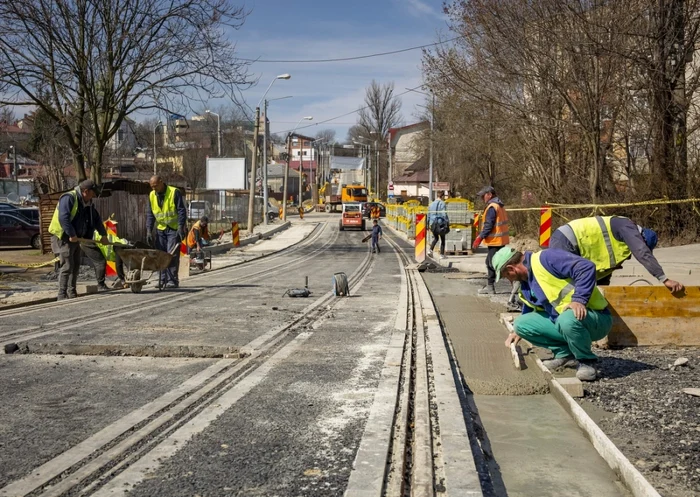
168, 214
494, 233
100, 254
564, 311
74, 218
608, 241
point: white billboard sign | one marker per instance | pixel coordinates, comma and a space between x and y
224, 173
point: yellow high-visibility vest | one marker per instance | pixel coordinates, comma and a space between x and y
559, 292
597, 244
166, 216
55, 227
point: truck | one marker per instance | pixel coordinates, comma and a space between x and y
334, 196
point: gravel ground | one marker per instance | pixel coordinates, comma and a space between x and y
647, 415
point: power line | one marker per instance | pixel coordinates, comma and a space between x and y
408, 90
358, 57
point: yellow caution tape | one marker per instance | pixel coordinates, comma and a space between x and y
595, 207
34, 265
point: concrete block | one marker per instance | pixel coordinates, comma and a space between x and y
90, 289
573, 386
184, 268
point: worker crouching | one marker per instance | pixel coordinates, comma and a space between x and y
564, 310
198, 236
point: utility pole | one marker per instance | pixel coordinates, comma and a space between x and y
253, 173
265, 167
432, 124
388, 150
286, 177
300, 199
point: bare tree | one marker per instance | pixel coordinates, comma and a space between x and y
382, 110
49, 146
328, 135
97, 62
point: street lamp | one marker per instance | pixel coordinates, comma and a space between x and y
265, 194
432, 124
253, 168
218, 131
14, 167
368, 173
155, 160
286, 167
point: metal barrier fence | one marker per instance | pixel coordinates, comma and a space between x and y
459, 211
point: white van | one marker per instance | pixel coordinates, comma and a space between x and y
198, 208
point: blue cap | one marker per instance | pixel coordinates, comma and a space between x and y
650, 238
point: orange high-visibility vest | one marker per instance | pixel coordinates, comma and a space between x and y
203, 233
375, 212
499, 233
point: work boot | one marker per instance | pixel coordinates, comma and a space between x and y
586, 371
101, 287
430, 252
560, 362
488, 290
119, 284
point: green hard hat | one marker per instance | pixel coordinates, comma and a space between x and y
500, 258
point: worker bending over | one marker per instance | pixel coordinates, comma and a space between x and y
564, 311
608, 241
167, 211
198, 236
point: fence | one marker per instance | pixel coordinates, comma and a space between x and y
460, 212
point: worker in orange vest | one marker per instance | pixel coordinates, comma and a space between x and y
375, 212
494, 233
198, 236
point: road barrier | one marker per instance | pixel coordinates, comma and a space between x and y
420, 237
545, 226
235, 235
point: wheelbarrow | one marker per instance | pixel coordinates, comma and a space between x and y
141, 262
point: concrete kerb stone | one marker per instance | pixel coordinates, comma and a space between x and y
461, 475
618, 462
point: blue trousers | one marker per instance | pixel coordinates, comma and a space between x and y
167, 240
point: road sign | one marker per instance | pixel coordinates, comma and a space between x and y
441, 185
391, 194
391, 187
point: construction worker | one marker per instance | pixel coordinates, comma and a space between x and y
494, 233
101, 254
564, 311
74, 218
376, 236
167, 212
608, 241
198, 236
438, 223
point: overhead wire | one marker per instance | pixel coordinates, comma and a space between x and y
357, 57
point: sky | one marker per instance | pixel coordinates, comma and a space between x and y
323, 29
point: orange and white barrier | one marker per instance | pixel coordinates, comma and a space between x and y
235, 235
420, 237
545, 226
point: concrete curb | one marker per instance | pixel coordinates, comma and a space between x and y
618, 462
225, 247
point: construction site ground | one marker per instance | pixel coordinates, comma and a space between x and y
638, 401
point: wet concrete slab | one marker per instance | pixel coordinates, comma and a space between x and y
51, 403
538, 450
478, 340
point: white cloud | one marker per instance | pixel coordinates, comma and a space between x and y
419, 8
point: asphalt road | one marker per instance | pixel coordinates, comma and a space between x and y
160, 412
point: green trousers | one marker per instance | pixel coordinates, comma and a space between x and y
567, 336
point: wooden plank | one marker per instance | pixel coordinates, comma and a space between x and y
651, 315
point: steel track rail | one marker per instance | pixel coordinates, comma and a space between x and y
87, 467
240, 266
135, 307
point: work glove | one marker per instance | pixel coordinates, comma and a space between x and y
476, 243
149, 239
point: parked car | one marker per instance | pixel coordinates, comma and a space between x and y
30, 213
17, 231
272, 212
198, 208
5, 206
367, 209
